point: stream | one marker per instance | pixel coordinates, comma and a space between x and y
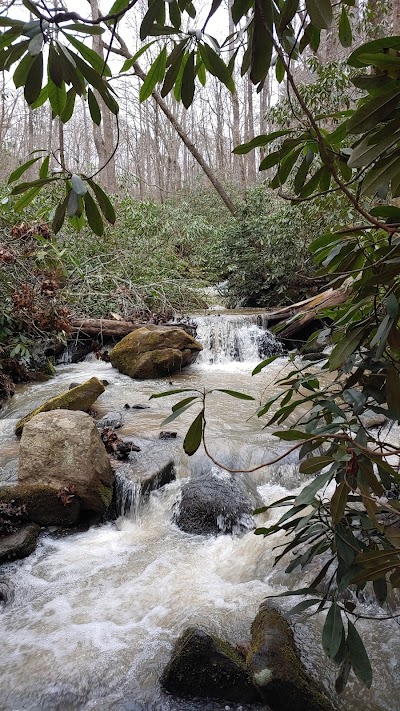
95, 614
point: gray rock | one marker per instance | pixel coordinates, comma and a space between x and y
113, 419
19, 544
63, 449
215, 502
205, 666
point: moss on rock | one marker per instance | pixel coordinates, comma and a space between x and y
205, 666
80, 397
44, 504
154, 351
276, 667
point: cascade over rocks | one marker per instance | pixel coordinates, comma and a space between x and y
80, 397
154, 351
63, 449
276, 668
150, 467
205, 666
214, 502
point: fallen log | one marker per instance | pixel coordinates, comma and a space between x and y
94, 327
298, 316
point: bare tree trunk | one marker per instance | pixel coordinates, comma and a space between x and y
396, 17
103, 134
236, 110
251, 168
265, 102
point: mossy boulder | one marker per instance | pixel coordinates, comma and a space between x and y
154, 351
205, 666
43, 504
19, 544
62, 449
276, 667
80, 397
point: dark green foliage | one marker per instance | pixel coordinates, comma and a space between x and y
266, 257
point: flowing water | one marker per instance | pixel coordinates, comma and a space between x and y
94, 615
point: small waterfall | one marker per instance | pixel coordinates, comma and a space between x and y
235, 337
128, 496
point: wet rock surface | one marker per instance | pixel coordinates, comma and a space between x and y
43, 504
275, 666
203, 665
19, 544
113, 419
213, 503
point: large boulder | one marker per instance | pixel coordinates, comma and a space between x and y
63, 449
275, 666
154, 351
205, 666
215, 502
80, 397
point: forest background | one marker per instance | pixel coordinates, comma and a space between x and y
174, 234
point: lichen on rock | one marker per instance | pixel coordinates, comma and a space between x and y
80, 397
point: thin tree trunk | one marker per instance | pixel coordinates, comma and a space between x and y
103, 134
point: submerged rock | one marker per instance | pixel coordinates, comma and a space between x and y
154, 351
62, 449
276, 668
215, 503
205, 666
80, 397
112, 419
19, 544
